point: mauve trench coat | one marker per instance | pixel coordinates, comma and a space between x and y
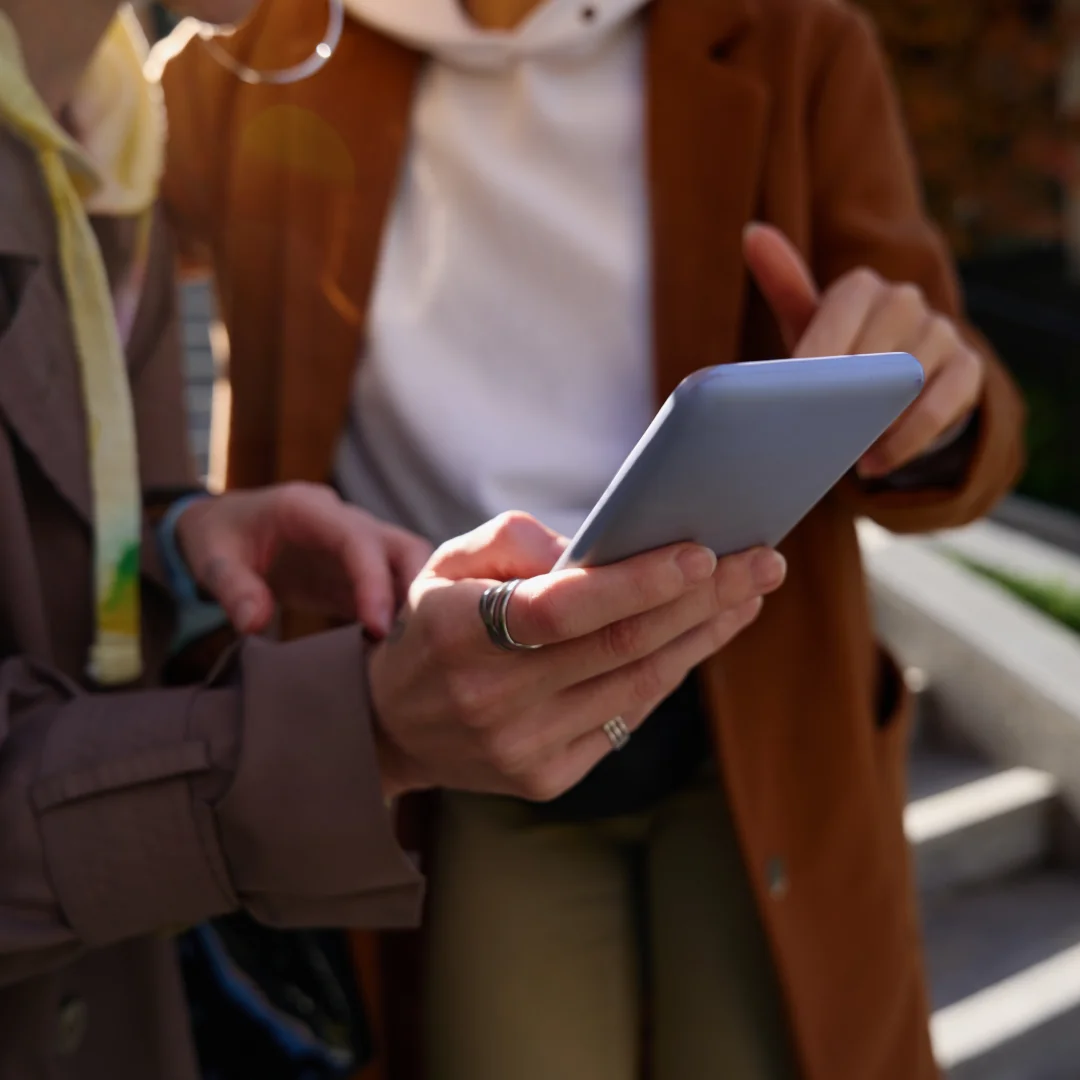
126, 814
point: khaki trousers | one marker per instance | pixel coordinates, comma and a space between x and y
546, 941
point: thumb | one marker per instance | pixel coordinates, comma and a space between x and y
513, 545
242, 593
784, 279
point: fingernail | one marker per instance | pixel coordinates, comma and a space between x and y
245, 613
769, 569
697, 564
385, 618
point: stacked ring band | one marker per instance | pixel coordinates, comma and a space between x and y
493, 607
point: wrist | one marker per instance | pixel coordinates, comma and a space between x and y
393, 762
171, 538
393, 786
394, 769
186, 516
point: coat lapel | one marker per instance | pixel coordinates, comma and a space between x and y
707, 117
374, 129
40, 398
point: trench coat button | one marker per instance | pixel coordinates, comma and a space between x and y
776, 877
71, 1020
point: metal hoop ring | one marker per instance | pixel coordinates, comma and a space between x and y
617, 732
283, 76
493, 608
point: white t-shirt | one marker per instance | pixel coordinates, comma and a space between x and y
507, 361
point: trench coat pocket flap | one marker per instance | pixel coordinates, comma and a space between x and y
148, 766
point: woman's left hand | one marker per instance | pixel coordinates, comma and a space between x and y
302, 546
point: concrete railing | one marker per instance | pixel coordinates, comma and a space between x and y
1006, 677
1057, 527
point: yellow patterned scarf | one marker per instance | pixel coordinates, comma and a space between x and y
113, 169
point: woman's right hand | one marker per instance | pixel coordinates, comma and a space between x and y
455, 711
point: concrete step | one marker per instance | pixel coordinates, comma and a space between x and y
971, 823
1001, 925
1004, 963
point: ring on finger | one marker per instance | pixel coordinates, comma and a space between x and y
617, 732
493, 608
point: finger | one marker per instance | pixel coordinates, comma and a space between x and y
947, 399
632, 695
902, 322
578, 613
634, 690
937, 343
368, 564
571, 604
321, 584
244, 596
513, 545
783, 278
408, 555
737, 580
314, 518
840, 317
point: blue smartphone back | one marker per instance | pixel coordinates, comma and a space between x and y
740, 453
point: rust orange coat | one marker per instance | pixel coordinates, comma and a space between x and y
777, 110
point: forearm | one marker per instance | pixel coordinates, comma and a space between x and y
129, 814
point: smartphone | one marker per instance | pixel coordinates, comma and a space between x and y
740, 453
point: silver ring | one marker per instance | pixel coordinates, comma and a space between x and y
493, 607
283, 76
617, 731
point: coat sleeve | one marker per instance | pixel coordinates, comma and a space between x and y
134, 813
138, 813
867, 211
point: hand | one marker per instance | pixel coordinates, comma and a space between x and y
863, 313
454, 711
300, 545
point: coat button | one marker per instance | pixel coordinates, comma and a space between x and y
776, 876
71, 1020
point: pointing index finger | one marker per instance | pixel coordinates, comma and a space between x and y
839, 320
